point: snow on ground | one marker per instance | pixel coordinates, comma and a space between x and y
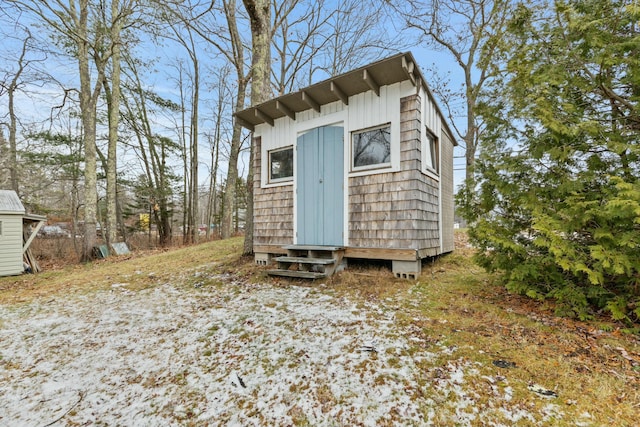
233, 355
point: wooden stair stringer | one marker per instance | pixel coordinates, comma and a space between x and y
310, 262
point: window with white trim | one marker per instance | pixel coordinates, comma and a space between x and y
431, 152
371, 148
281, 164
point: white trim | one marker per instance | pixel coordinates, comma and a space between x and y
278, 184
335, 119
431, 174
286, 179
425, 147
375, 166
316, 122
440, 227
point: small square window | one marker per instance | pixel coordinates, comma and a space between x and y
281, 165
431, 161
371, 148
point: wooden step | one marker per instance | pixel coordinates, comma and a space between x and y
305, 260
313, 248
298, 274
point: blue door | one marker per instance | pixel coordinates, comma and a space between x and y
320, 192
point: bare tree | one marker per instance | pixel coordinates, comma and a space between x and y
356, 35
187, 41
185, 81
227, 39
117, 22
10, 88
81, 31
243, 76
317, 39
153, 150
297, 39
223, 94
14, 81
114, 24
469, 31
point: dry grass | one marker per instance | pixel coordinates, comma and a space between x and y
139, 270
592, 367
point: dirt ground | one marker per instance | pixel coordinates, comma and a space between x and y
232, 354
199, 337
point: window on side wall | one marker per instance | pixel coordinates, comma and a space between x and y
281, 165
431, 150
371, 148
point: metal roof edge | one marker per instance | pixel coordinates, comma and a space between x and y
10, 203
34, 217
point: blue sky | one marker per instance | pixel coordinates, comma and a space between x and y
37, 103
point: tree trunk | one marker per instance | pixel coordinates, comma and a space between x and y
248, 216
13, 152
228, 205
260, 15
229, 198
13, 120
213, 198
88, 99
215, 156
470, 137
193, 150
186, 192
229, 195
5, 178
113, 105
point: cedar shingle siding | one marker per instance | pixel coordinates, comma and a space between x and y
397, 210
272, 208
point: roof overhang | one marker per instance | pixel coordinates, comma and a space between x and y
34, 218
394, 69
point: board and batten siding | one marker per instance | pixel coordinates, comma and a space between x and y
364, 111
11, 245
285, 133
272, 207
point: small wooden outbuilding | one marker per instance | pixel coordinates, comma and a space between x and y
16, 234
357, 166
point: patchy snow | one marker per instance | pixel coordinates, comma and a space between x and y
234, 354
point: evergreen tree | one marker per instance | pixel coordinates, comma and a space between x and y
558, 197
